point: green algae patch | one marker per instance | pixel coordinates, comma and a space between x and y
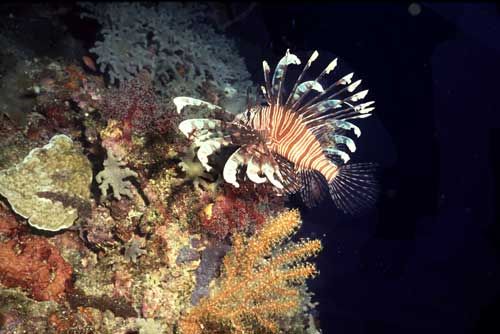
51, 186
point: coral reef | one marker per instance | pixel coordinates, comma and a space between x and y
195, 172
241, 209
149, 326
98, 230
9, 226
136, 106
211, 259
175, 43
227, 214
168, 242
33, 264
134, 250
113, 176
257, 284
59, 169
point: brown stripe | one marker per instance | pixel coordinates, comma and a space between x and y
330, 172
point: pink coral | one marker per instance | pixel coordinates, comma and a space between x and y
122, 284
152, 302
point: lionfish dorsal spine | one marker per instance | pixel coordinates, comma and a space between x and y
329, 68
313, 57
308, 107
267, 89
280, 74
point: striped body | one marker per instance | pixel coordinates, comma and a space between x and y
286, 135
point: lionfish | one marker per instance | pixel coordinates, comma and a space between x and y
296, 142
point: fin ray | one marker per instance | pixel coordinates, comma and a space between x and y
291, 179
354, 188
314, 188
280, 73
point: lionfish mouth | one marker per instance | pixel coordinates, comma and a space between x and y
295, 142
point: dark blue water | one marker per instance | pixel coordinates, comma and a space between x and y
426, 259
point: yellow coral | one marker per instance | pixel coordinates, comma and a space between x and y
258, 282
208, 211
112, 130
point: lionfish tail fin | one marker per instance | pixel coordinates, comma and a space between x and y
354, 189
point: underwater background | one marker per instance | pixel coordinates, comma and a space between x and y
97, 82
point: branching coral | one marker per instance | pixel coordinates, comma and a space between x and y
258, 283
113, 175
174, 42
135, 105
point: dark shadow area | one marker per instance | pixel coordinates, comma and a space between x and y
425, 260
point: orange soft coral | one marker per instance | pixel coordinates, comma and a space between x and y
257, 285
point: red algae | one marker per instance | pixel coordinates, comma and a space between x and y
36, 266
238, 210
8, 223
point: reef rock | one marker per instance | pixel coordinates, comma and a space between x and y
36, 266
51, 186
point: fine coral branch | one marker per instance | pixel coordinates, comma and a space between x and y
113, 175
258, 284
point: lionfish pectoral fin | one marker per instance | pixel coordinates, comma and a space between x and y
314, 188
206, 134
269, 171
289, 176
253, 170
354, 188
231, 167
192, 127
206, 149
183, 101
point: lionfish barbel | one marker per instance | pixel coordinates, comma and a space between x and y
293, 141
